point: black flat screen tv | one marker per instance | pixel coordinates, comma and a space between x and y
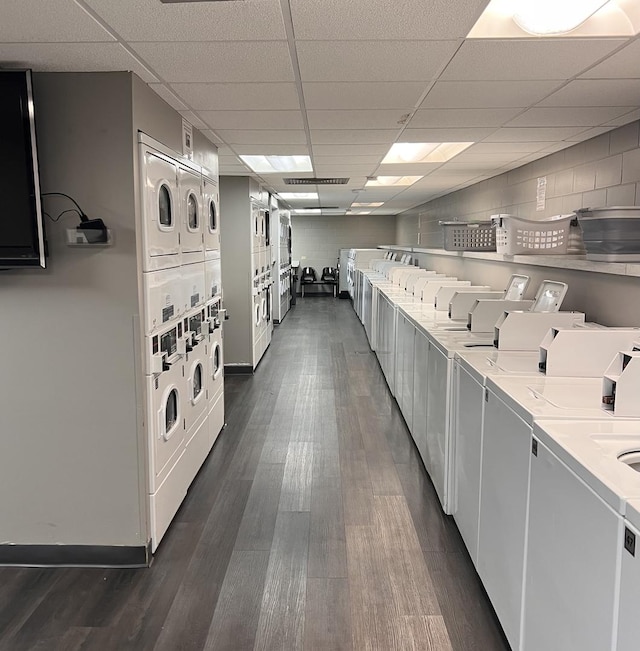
22, 236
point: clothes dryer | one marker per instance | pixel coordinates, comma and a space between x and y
213, 276
191, 227
160, 209
163, 300
194, 293
211, 209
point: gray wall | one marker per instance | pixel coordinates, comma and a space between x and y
603, 171
317, 240
237, 272
73, 461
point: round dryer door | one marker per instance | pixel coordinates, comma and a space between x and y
216, 357
257, 314
165, 207
192, 212
213, 216
171, 414
197, 383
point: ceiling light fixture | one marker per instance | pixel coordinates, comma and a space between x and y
307, 211
550, 17
298, 195
373, 204
423, 152
278, 164
358, 212
386, 181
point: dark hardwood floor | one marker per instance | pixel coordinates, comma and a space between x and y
312, 525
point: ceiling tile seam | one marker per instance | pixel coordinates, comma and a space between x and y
289, 30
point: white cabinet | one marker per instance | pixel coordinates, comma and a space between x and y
467, 433
572, 551
504, 488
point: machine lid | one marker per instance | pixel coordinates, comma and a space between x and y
549, 296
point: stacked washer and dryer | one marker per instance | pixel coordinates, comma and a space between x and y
182, 305
281, 238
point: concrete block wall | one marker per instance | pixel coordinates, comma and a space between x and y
603, 171
317, 239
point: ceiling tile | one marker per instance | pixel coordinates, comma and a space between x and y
169, 97
487, 94
625, 119
415, 169
33, 21
498, 148
441, 118
381, 119
597, 92
264, 137
241, 61
252, 119
356, 136
383, 19
531, 134
372, 60
346, 160
445, 135
350, 150
528, 59
351, 171
149, 20
362, 95
623, 64
238, 97
567, 117
214, 137
589, 133
72, 57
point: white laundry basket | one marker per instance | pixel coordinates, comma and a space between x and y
516, 235
468, 236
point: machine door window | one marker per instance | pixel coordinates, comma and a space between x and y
197, 382
213, 216
165, 212
267, 233
257, 314
171, 412
192, 212
217, 361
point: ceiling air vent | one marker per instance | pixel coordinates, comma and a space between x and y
315, 181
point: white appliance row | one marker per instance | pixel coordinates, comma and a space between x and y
182, 321
282, 273
549, 532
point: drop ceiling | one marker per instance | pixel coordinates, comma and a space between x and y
341, 81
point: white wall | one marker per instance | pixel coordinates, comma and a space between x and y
603, 171
316, 240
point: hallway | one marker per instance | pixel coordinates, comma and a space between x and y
312, 525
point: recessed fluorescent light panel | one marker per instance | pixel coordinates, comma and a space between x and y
424, 152
278, 164
397, 181
298, 195
372, 204
358, 212
549, 18
307, 211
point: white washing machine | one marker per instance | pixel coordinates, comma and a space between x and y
191, 210
216, 382
165, 410
211, 209
163, 300
575, 540
512, 405
196, 366
160, 208
194, 292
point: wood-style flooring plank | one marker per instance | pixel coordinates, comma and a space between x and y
296, 482
187, 623
282, 610
259, 518
327, 542
419, 633
235, 620
327, 621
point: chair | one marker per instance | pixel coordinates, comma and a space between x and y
307, 277
329, 275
